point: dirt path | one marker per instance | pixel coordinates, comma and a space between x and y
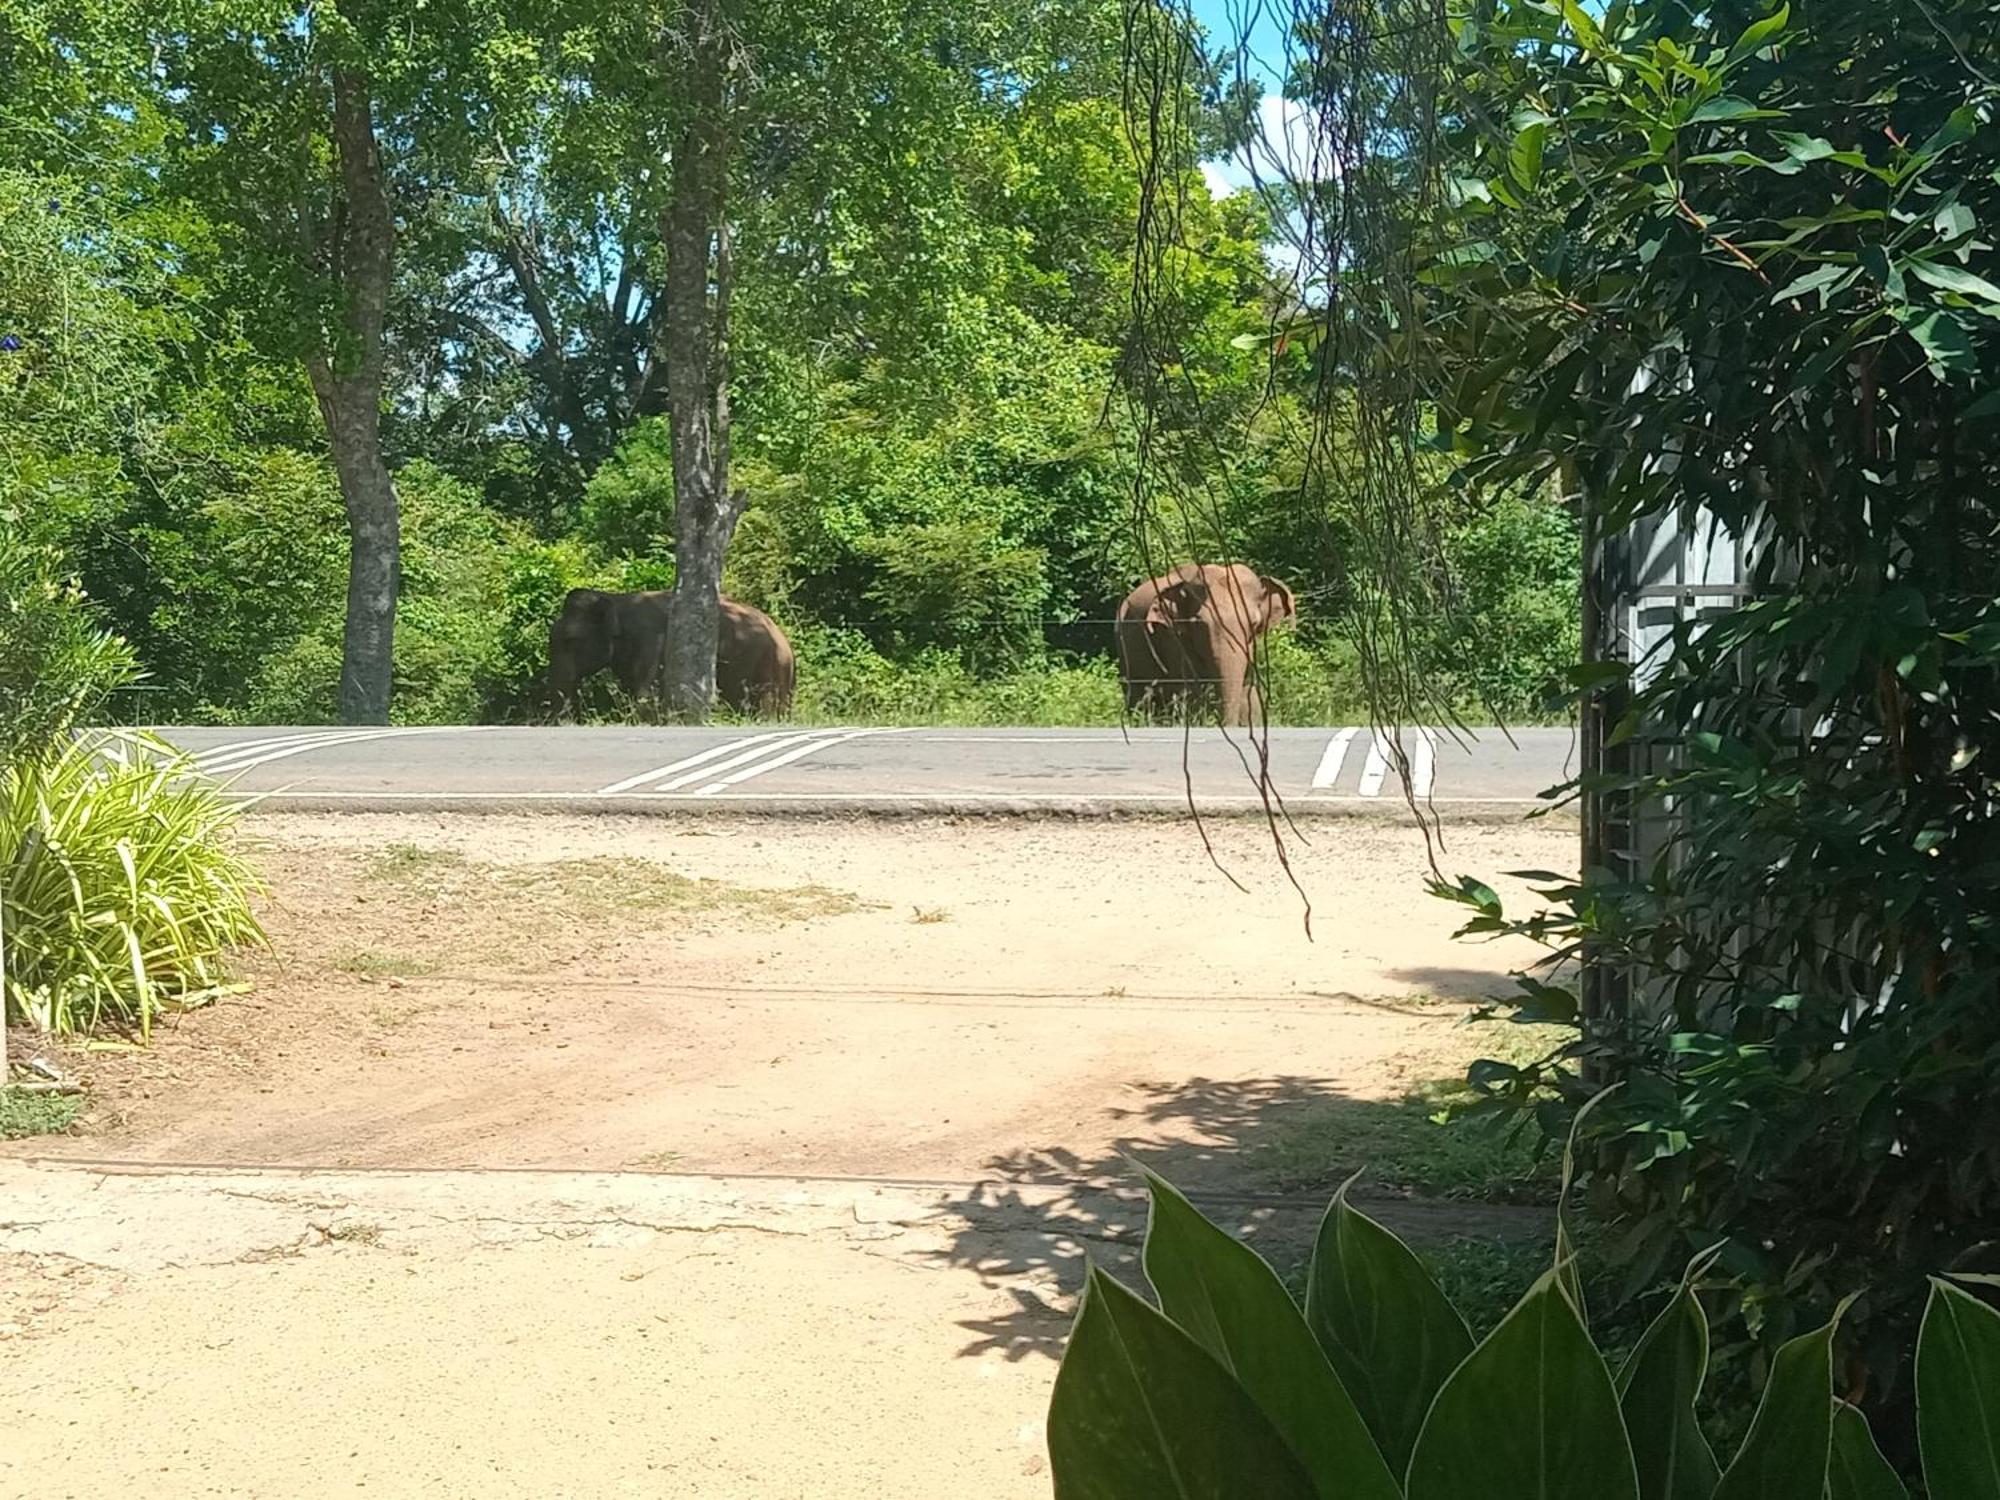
626, 1156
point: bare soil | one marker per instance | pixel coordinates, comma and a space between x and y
604, 1156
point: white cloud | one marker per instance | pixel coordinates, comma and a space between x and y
1284, 148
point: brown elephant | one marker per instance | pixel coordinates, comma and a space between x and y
754, 667
1194, 631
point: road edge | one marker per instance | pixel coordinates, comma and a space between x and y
862, 806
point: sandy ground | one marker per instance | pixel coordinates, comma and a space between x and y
518, 1174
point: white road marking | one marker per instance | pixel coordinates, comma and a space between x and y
783, 760
1422, 762
244, 749
700, 758
229, 749
1373, 769
1331, 760
749, 757
228, 765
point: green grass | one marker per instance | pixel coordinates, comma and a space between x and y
23, 1114
1413, 1143
1404, 1144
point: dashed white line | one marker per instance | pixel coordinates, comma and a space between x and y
1423, 764
782, 760
700, 758
1331, 760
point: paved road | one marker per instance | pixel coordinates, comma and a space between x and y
787, 768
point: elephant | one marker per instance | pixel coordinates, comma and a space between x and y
1193, 631
754, 667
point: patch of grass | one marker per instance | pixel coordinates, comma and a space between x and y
441, 910
23, 1114
926, 916
1414, 1143
1484, 1278
1405, 1143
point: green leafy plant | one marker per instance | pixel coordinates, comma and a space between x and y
122, 891
119, 891
1376, 1390
1727, 266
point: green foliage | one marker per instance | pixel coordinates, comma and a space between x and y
1732, 262
1228, 1389
1512, 638
122, 891
23, 1114
57, 664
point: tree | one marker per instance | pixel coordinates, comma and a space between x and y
324, 140
723, 174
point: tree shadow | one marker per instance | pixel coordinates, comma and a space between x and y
1261, 1157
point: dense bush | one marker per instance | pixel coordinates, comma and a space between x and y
1512, 641
119, 892
1761, 243
1377, 1389
123, 891
56, 665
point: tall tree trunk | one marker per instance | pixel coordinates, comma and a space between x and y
353, 412
698, 279
347, 378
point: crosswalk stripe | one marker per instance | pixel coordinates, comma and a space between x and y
1331, 760
699, 758
783, 760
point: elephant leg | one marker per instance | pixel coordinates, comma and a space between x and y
568, 667
1238, 694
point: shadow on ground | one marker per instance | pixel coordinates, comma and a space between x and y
1261, 1157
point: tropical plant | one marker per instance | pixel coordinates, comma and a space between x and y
123, 892
1727, 266
1376, 1390
119, 891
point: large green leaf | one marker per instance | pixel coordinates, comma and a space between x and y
1223, 1294
1784, 1457
1143, 1412
1392, 1336
1954, 279
1958, 1395
1859, 1471
1532, 1415
1762, 33
1657, 1390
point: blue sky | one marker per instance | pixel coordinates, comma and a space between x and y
1231, 21
1227, 20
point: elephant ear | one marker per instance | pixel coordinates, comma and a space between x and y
1279, 605
1178, 603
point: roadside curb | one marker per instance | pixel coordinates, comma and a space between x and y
862, 806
